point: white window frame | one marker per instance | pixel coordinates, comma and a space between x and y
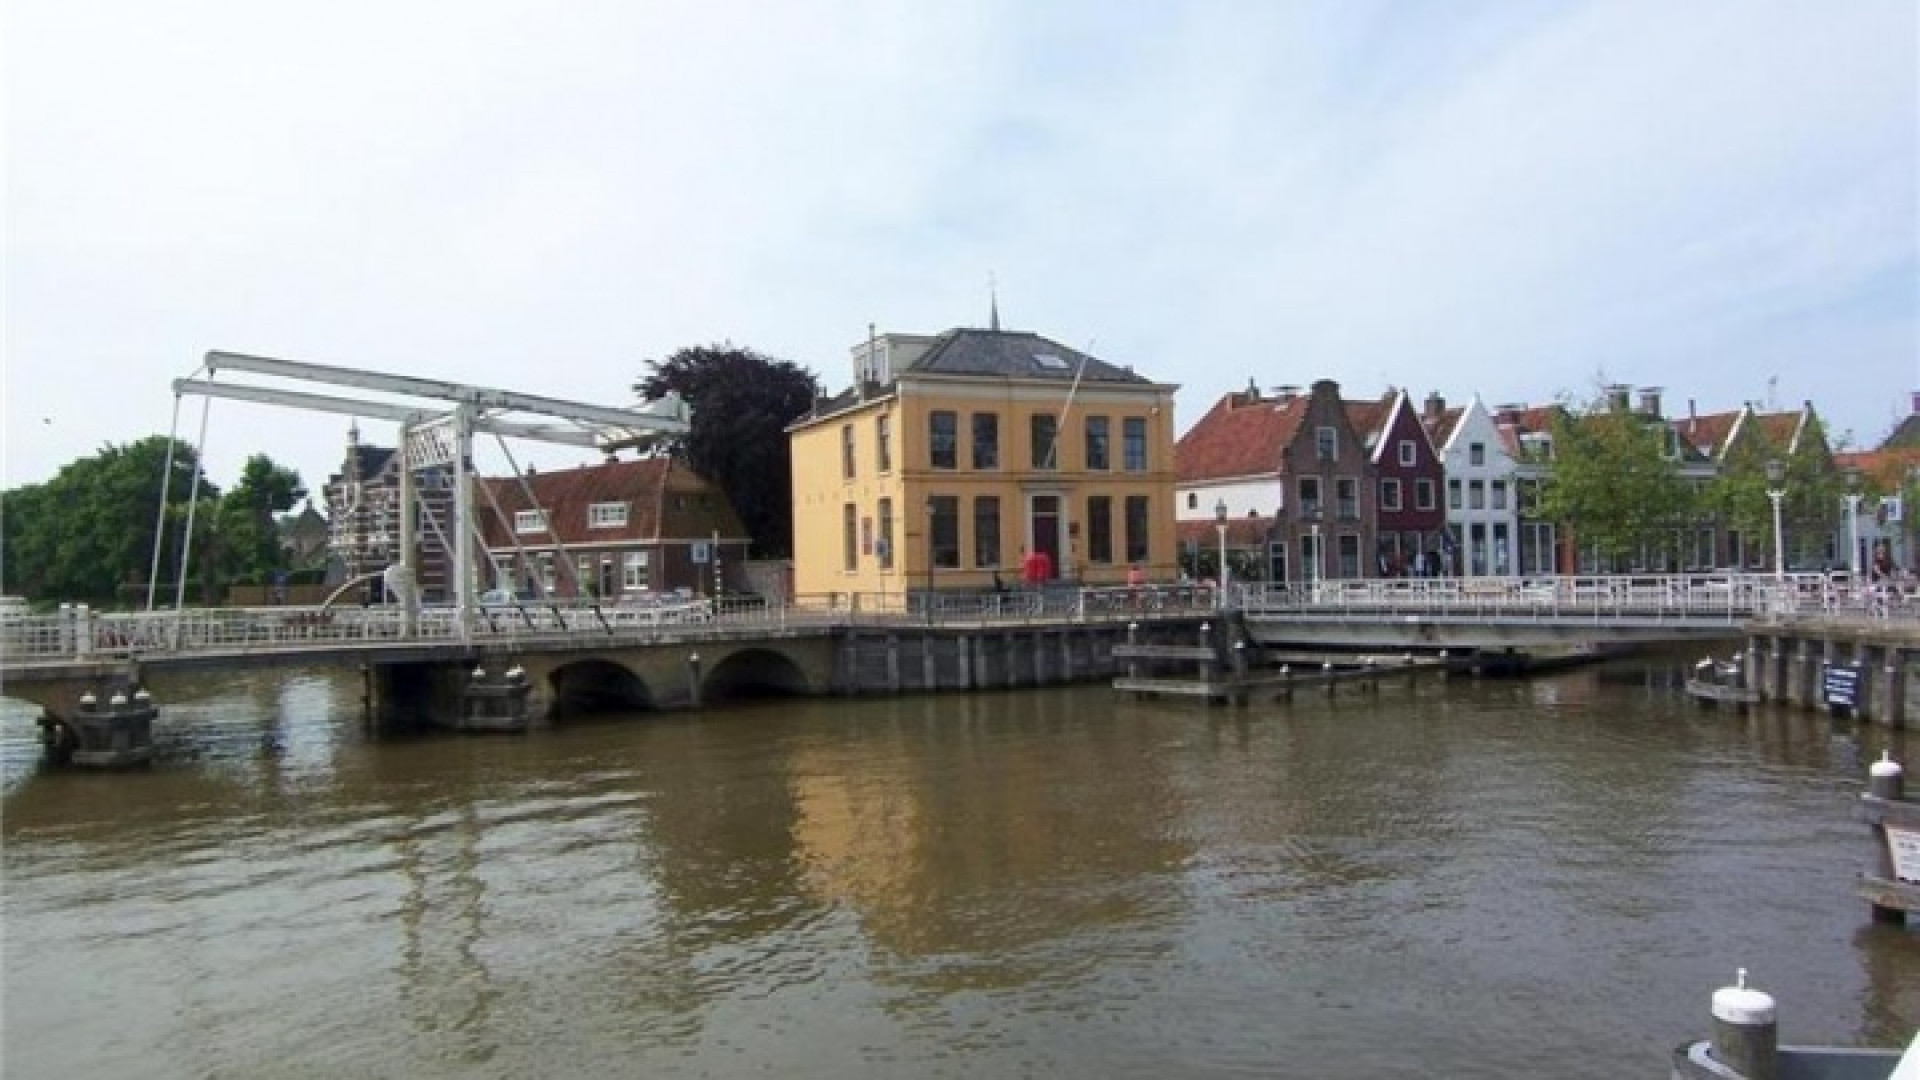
1390, 492
530, 521
1407, 453
607, 515
633, 571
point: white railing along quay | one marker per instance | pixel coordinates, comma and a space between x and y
1689, 597
75, 633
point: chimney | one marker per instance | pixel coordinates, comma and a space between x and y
1617, 396
1650, 401
1288, 392
1507, 415
1436, 405
1253, 392
1916, 402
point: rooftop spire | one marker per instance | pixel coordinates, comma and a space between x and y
993, 302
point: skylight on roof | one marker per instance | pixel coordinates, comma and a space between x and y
1050, 361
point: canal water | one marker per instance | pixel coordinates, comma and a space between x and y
1495, 879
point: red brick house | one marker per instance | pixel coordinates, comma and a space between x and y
1293, 476
1408, 474
618, 530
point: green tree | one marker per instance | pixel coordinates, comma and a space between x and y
90, 530
742, 403
1614, 482
245, 546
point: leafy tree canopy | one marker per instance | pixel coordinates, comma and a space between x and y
246, 541
1615, 481
742, 403
82, 534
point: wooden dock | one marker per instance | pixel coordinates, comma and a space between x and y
1214, 671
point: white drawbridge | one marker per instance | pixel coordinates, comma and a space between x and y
435, 434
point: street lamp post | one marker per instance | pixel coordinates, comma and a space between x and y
1776, 491
1220, 525
1853, 524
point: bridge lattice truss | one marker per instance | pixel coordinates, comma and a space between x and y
437, 422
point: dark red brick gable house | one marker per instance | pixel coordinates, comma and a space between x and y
1408, 476
619, 529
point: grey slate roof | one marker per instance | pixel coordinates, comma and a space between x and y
1011, 354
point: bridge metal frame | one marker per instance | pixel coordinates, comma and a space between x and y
433, 436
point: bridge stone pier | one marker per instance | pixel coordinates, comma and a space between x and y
1788, 659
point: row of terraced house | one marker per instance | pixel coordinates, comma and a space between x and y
951, 460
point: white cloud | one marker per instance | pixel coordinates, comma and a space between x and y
1499, 199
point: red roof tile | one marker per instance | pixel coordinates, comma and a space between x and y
1239, 436
566, 495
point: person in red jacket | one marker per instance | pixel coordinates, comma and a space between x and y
1037, 568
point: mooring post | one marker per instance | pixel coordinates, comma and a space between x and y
1133, 638
1326, 676
1206, 666
1746, 1034
693, 679
1286, 682
1895, 850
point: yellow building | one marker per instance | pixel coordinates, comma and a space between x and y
955, 455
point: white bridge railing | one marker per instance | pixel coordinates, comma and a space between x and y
75, 633
1733, 598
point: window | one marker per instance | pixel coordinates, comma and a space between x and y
1137, 529
846, 451
1407, 456
583, 576
1390, 494
1045, 431
1097, 445
944, 512
1423, 494
986, 530
1348, 547
1134, 433
1309, 495
1476, 453
1499, 494
543, 564
850, 538
529, 521
884, 548
1453, 493
1193, 500
986, 440
943, 440
1326, 444
633, 572
1476, 495
503, 572
1100, 528
607, 515
883, 441
1348, 490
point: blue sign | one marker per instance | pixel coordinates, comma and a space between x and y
1840, 686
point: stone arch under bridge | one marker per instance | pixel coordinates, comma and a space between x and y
674, 675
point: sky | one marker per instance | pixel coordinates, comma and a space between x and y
1516, 200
